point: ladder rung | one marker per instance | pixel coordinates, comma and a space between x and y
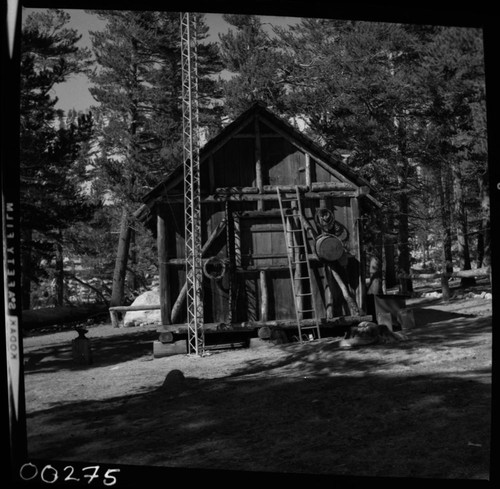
303, 295
305, 310
296, 262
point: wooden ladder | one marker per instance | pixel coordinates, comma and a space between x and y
300, 275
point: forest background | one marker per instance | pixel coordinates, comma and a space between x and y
404, 105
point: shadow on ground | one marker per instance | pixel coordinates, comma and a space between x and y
109, 350
416, 426
318, 357
429, 315
312, 409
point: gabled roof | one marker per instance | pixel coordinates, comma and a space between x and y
258, 109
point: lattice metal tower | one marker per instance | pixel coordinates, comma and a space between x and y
191, 155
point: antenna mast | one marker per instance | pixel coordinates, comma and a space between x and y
191, 155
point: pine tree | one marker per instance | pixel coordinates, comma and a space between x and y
51, 199
137, 83
250, 54
452, 81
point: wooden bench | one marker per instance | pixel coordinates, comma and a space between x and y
116, 310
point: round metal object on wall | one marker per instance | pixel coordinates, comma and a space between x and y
214, 268
329, 247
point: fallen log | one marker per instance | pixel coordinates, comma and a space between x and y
477, 272
55, 316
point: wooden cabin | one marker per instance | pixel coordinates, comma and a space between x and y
247, 279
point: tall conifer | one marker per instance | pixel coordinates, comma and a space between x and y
51, 199
137, 82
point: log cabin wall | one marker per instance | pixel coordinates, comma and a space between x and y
239, 176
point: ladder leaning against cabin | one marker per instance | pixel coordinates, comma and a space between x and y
296, 244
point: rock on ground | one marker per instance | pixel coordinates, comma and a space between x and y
139, 318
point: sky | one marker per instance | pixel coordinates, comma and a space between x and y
74, 94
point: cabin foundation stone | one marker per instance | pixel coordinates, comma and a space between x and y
260, 343
168, 349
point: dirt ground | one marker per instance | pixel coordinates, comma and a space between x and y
413, 408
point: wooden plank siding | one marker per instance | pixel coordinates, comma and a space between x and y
233, 165
283, 163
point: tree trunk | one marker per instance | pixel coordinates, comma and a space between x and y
480, 246
117, 294
388, 263
405, 284
461, 223
133, 281
445, 287
445, 201
485, 224
59, 274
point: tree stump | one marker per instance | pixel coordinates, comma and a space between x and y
81, 350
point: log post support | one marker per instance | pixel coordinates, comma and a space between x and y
351, 302
264, 296
308, 169
115, 321
231, 259
164, 270
356, 237
329, 293
258, 163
